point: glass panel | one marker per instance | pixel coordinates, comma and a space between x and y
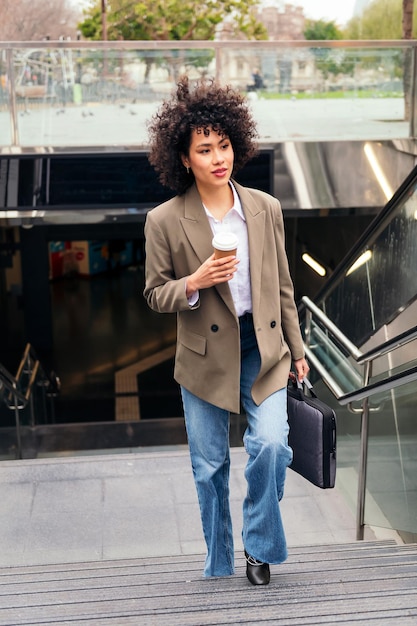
5, 119
322, 93
343, 370
70, 96
391, 500
348, 443
92, 97
382, 280
391, 496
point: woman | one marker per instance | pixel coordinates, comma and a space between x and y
237, 322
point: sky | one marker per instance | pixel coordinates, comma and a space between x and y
339, 11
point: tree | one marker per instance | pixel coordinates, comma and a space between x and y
328, 61
172, 20
383, 19
34, 20
408, 9
389, 19
320, 30
407, 24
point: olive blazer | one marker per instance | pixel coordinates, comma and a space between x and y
207, 362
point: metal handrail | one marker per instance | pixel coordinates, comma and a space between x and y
363, 394
360, 357
332, 328
23, 361
391, 382
10, 384
388, 346
198, 44
13, 396
15, 400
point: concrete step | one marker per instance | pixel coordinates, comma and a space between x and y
357, 583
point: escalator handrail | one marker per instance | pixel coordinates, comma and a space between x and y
388, 346
391, 382
361, 358
369, 232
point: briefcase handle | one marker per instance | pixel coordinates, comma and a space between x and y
301, 384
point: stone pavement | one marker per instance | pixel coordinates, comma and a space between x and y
139, 504
315, 119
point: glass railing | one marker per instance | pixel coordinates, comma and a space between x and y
390, 478
64, 94
391, 469
361, 340
379, 281
377, 429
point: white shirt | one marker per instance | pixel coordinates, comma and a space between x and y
240, 286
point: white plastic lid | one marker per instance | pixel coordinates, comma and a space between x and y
225, 241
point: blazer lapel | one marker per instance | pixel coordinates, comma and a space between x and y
196, 225
255, 222
199, 234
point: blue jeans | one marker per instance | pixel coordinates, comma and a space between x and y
266, 442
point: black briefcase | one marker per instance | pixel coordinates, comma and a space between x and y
312, 435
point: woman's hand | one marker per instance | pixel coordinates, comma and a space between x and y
301, 368
212, 272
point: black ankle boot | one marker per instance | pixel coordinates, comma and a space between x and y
256, 571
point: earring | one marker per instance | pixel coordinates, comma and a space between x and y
188, 170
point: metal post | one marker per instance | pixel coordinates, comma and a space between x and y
307, 331
218, 70
413, 89
363, 459
18, 437
12, 98
104, 35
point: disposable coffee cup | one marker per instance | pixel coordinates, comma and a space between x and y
224, 244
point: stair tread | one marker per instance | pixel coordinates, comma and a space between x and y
357, 583
333, 550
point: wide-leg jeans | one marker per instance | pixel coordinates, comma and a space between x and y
266, 443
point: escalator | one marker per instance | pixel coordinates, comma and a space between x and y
360, 333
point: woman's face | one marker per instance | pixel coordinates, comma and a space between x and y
210, 158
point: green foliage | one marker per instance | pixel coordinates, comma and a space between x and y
91, 27
382, 19
328, 61
319, 30
172, 20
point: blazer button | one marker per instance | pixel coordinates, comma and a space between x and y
214, 328
273, 324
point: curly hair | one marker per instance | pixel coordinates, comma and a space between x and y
207, 106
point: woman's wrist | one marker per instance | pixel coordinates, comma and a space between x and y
190, 286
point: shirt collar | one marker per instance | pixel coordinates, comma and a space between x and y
237, 205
